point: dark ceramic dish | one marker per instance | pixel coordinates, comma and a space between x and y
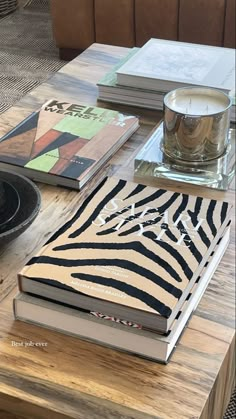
9, 203
30, 200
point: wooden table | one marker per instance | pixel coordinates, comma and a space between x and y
70, 378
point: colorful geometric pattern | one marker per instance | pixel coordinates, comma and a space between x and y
57, 138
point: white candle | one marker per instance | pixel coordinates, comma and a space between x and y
197, 101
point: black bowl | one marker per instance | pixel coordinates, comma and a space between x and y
9, 203
30, 201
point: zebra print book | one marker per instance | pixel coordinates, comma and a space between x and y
119, 335
131, 251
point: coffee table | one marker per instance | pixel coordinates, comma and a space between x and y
71, 378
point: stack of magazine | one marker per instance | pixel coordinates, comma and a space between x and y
145, 75
128, 269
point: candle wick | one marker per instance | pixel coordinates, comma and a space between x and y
190, 102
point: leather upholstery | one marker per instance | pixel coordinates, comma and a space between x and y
73, 23
79, 23
156, 19
114, 22
230, 18
202, 21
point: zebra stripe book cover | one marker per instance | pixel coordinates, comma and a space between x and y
133, 245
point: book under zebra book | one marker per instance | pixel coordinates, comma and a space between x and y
131, 251
65, 143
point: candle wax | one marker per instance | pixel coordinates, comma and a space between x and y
197, 104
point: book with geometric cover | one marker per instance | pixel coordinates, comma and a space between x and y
131, 251
65, 143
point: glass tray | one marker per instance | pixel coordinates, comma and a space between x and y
217, 173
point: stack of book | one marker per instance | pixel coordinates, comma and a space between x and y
145, 75
128, 269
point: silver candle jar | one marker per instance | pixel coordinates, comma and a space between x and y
196, 123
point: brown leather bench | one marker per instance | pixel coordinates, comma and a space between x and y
79, 23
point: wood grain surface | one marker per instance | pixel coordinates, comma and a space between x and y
71, 378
